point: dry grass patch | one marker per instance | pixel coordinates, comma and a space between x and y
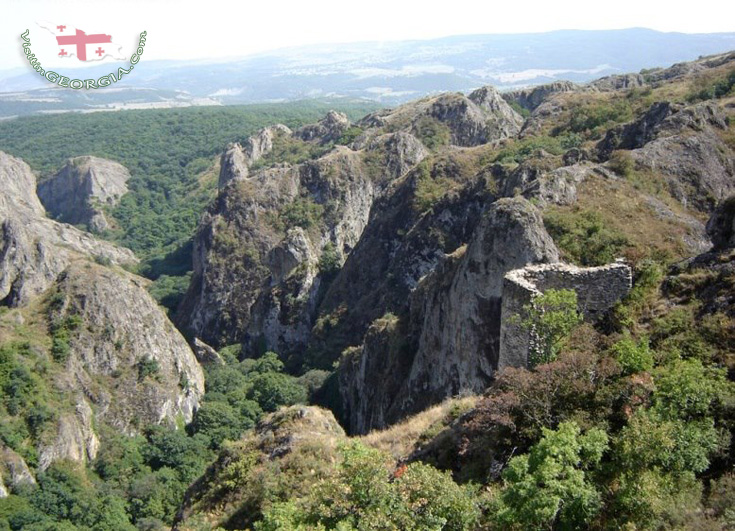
400, 440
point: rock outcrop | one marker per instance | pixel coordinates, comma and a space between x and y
259, 247
328, 129
123, 364
531, 98
237, 159
618, 82
453, 324
482, 117
80, 190
120, 340
681, 144
14, 472
33, 248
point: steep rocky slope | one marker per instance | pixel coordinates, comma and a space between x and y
34, 249
78, 192
382, 245
110, 354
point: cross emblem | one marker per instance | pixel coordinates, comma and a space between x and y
63, 53
99, 51
81, 40
61, 28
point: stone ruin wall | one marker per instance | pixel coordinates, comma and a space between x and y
598, 289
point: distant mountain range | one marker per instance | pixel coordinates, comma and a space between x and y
387, 72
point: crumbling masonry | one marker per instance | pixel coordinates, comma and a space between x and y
598, 289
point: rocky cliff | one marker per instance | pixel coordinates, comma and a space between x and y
33, 248
78, 193
386, 255
682, 144
448, 342
117, 359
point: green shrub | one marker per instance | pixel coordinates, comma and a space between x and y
349, 136
520, 150
551, 486
148, 367
633, 356
715, 89
432, 133
622, 163
302, 212
364, 494
595, 117
330, 260
550, 318
583, 236
169, 290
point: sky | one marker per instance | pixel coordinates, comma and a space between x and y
196, 29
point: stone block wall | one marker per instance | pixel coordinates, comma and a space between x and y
598, 289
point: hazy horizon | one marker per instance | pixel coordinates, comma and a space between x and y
227, 29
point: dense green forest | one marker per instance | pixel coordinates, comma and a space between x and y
171, 154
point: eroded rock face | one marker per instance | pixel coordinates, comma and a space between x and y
75, 439
77, 193
233, 165
399, 246
618, 82
123, 331
482, 117
256, 256
453, 324
237, 159
682, 144
14, 472
119, 330
34, 249
328, 129
401, 151
531, 98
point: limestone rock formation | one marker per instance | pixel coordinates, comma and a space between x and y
236, 159
454, 324
531, 98
126, 363
129, 340
205, 354
251, 241
233, 165
328, 129
259, 145
682, 144
401, 151
34, 249
481, 117
77, 193
618, 82
14, 472
75, 439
